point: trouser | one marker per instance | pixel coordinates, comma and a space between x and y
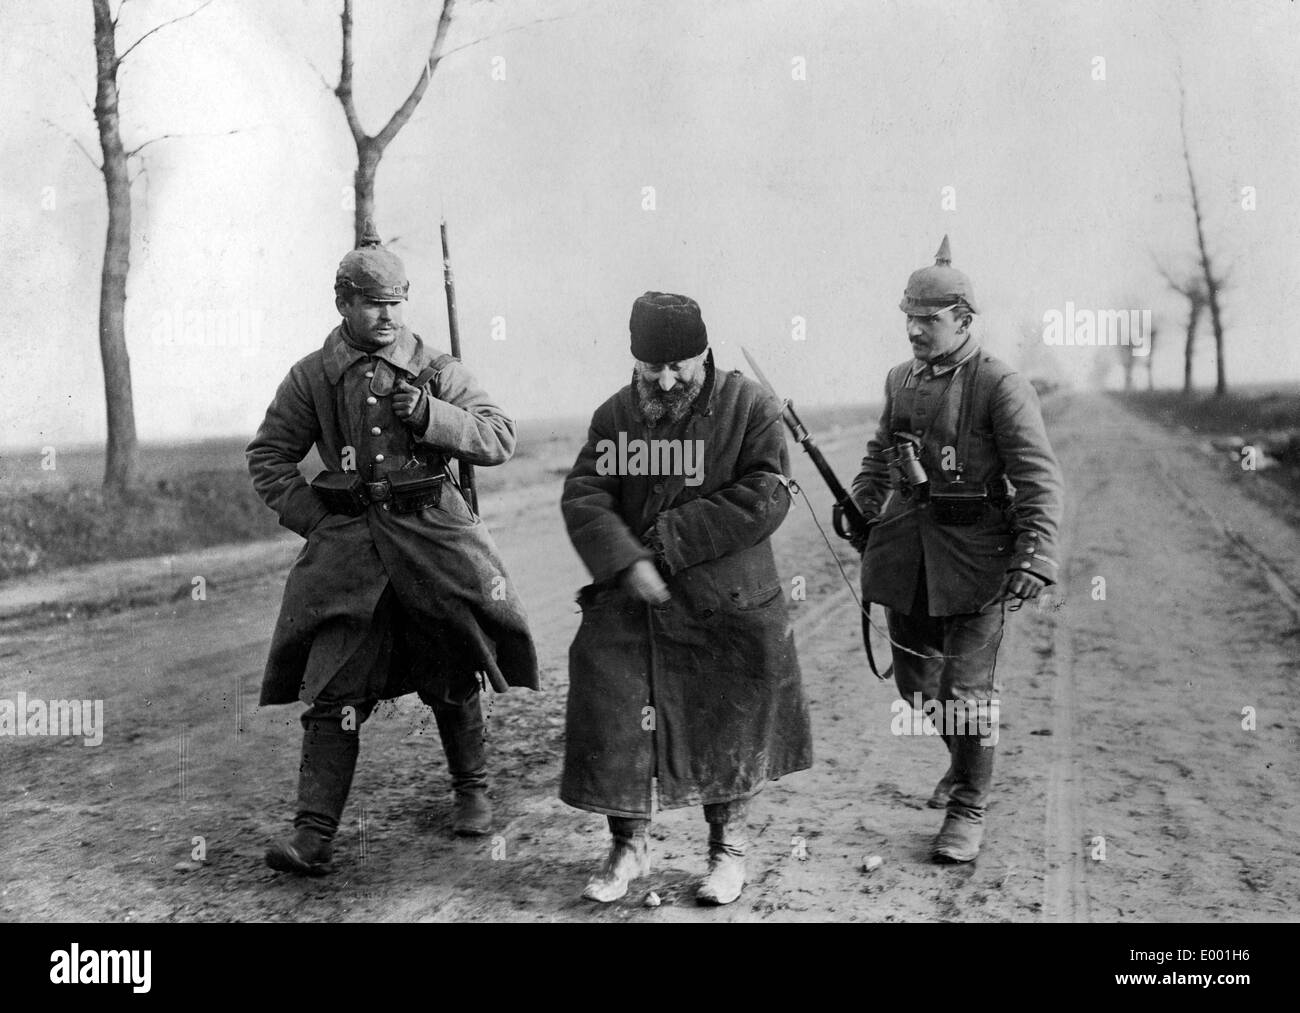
962, 684
332, 727
718, 815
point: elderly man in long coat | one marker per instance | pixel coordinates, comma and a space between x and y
399, 587
963, 496
683, 674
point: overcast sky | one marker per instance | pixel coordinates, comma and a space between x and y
775, 197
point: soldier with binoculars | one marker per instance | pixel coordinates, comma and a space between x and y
963, 496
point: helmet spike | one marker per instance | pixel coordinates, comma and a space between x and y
944, 256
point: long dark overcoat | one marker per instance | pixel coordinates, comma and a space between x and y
441, 561
703, 693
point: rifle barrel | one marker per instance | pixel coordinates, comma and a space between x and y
465, 469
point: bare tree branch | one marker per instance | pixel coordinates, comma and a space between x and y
75, 140
1181, 287
371, 148
167, 137
66, 73
404, 111
157, 28
319, 73
344, 89
495, 35
437, 53
293, 47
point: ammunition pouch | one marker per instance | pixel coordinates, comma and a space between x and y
958, 510
412, 494
342, 492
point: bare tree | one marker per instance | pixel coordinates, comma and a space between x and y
1191, 286
121, 464
370, 148
1133, 352
1151, 355
1036, 359
1126, 362
1214, 282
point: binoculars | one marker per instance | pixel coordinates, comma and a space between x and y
902, 458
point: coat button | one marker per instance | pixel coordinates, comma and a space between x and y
370, 374
379, 457
1024, 566
384, 505
375, 430
371, 400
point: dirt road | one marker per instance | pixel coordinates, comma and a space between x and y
1147, 769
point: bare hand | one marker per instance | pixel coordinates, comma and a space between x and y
1020, 587
860, 539
408, 402
642, 581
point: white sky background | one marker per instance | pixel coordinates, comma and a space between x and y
775, 198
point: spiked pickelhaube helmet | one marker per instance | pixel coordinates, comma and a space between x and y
931, 289
371, 271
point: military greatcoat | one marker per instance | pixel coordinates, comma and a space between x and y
441, 561
1002, 435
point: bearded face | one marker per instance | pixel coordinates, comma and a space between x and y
668, 389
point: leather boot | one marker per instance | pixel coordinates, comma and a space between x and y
629, 857
727, 842
329, 758
939, 798
963, 827
462, 730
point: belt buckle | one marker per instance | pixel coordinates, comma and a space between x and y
378, 490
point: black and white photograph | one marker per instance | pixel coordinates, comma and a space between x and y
651, 461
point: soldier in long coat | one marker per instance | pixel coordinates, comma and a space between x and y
949, 540
399, 587
683, 674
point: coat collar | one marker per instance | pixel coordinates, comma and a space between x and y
339, 355
704, 403
947, 363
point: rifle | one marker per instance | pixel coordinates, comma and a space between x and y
453, 329
846, 518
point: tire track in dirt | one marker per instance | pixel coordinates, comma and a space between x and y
1165, 806
1065, 897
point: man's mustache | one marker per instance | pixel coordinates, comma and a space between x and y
653, 390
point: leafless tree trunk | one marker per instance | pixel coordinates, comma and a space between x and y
121, 458
1151, 357
1192, 288
1214, 282
370, 149
1195, 306
120, 463
1126, 363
